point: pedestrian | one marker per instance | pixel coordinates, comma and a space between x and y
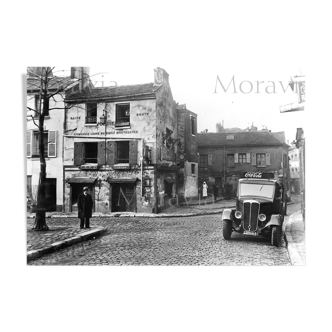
205, 187
84, 205
215, 191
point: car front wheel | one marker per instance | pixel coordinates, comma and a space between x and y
227, 228
276, 236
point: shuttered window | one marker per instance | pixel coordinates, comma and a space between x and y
203, 162
37, 137
52, 143
29, 143
260, 159
133, 152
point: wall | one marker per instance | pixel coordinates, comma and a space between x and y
166, 118
53, 165
142, 127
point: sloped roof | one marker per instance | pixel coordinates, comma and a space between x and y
240, 139
280, 135
33, 84
114, 92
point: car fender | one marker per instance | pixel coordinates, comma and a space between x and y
275, 220
227, 214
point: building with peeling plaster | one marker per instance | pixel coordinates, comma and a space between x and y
122, 142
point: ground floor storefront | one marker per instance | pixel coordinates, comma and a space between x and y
119, 190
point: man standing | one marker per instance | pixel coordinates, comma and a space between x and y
84, 205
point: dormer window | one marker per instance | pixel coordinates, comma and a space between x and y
229, 137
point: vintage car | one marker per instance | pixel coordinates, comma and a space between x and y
260, 207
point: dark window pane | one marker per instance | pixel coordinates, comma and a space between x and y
122, 114
90, 152
123, 152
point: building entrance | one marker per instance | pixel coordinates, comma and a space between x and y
123, 197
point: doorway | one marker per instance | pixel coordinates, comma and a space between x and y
123, 197
50, 194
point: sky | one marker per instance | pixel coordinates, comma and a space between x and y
241, 96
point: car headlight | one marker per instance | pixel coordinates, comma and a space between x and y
262, 217
238, 215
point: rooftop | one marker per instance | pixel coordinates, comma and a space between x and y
33, 84
254, 138
114, 92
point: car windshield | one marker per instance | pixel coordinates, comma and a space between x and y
256, 190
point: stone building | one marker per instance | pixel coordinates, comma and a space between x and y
122, 142
223, 157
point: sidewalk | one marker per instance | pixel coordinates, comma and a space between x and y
295, 238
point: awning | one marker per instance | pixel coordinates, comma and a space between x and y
82, 180
169, 180
122, 180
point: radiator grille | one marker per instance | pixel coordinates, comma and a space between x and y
250, 218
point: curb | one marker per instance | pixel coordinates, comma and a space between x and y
33, 254
148, 215
291, 244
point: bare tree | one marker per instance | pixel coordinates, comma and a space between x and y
43, 83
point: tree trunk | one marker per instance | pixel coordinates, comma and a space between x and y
40, 222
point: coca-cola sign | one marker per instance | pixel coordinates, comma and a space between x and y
253, 175
257, 175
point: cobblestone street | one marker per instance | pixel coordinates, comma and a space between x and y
164, 241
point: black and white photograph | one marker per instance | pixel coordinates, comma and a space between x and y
124, 174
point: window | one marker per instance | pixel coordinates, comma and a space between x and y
193, 125
230, 160
193, 169
91, 113
36, 140
261, 161
122, 153
90, 153
229, 137
242, 158
122, 115
203, 160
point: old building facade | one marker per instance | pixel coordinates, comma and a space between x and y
223, 157
122, 142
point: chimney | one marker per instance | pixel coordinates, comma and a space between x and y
160, 76
82, 74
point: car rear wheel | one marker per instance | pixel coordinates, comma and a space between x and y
276, 236
227, 228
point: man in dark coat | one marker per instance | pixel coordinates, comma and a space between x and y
84, 205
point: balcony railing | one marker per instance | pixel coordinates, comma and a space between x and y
90, 119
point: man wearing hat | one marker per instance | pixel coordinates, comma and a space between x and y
84, 205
